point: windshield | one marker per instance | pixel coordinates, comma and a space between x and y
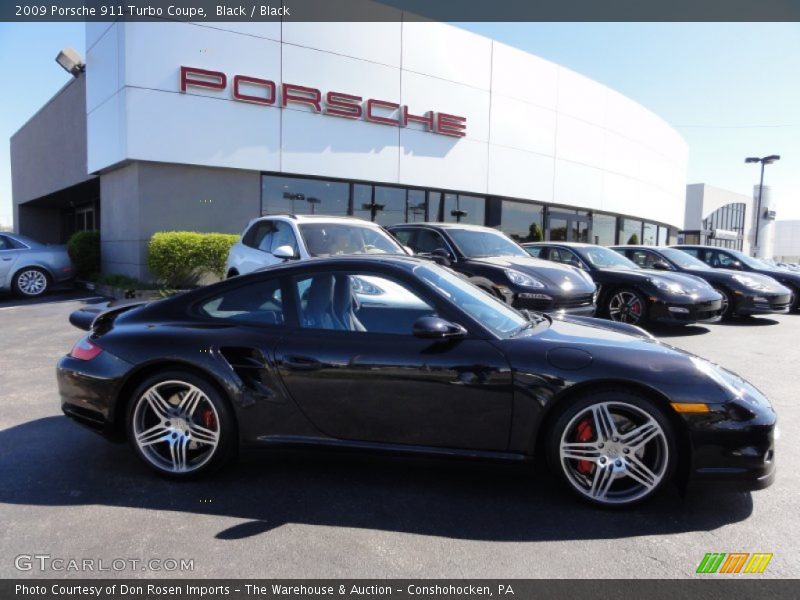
604, 258
481, 244
489, 311
751, 262
328, 239
683, 260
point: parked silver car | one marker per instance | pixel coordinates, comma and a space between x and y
29, 268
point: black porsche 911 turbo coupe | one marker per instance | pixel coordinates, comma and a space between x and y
743, 294
629, 294
401, 354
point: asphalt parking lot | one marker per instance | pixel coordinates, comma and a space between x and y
66, 492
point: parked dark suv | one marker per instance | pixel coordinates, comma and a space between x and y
500, 266
725, 258
630, 294
742, 293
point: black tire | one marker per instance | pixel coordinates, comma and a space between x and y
611, 299
212, 406
580, 475
727, 303
31, 282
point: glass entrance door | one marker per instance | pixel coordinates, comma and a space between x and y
568, 227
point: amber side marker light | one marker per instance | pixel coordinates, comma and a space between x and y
689, 407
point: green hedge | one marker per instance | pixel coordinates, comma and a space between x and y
84, 250
179, 258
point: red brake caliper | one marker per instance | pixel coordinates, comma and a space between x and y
584, 433
209, 421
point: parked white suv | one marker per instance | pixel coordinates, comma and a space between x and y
274, 239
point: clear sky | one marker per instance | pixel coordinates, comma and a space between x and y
732, 90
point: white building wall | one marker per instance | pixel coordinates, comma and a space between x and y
535, 130
787, 241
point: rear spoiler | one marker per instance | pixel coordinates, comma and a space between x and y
93, 315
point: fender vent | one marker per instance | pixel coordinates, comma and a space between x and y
252, 367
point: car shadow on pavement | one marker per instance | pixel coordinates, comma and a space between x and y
266, 489
57, 295
749, 322
666, 331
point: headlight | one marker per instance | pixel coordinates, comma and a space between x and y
735, 386
750, 283
668, 286
523, 279
362, 286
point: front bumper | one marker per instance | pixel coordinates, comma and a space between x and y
684, 313
89, 390
734, 453
582, 305
760, 304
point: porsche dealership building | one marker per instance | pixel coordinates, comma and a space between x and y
180, 126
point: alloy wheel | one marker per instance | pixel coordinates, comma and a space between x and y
626, 307
32, 282
176, 427
725, 302
614, 453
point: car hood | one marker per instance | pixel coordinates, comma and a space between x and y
778, 273
767, 281
690, 283
553, 275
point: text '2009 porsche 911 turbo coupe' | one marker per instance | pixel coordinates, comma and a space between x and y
306, 353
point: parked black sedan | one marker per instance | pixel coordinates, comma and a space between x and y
725, 258
498, 265
630, 294
288, 355
742, 293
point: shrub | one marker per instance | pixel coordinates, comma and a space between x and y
180, 258
633, 240
84, 250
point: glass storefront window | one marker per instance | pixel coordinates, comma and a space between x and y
604, 230
631, 232
663, 234
389, 207
650, 234
558, 229
460, 208
416, 207
303, 196
522, 222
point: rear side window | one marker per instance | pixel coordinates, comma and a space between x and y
403, 236
259, 236
259, 303
535, 251
645, 259
427, 241
691, 251
5, 244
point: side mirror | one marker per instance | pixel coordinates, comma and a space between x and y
435, 328
285, 252
661, 266
736, 265
442, 256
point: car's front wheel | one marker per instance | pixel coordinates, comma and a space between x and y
612, 448
726, 311
31, 282
180, 425
627, 306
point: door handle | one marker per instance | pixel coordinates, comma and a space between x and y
302, 363
7, 259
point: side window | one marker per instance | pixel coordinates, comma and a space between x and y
644, 259
4, 243
258, 303
282, 236
534, 251
692, 252
259, 236
404, 236
427, 241
564, 256
359, 302
719, 259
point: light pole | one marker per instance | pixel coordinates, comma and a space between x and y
767, 160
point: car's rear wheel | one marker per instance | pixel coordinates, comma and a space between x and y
627, 306
180, 425
31, 282
612, 448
